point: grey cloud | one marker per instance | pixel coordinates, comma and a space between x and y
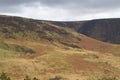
13, 2
82, 3
74, 7
65, 3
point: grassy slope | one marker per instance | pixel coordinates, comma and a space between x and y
50, 60
59, 51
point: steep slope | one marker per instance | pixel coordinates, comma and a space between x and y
107, 30
16, 28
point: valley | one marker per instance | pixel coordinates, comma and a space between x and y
46, 49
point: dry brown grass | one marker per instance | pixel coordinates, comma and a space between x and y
52, 59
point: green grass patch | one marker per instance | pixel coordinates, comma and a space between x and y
16, 48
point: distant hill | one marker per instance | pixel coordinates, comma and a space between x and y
75, 25
107, 30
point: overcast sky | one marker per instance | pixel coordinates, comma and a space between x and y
67, 10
